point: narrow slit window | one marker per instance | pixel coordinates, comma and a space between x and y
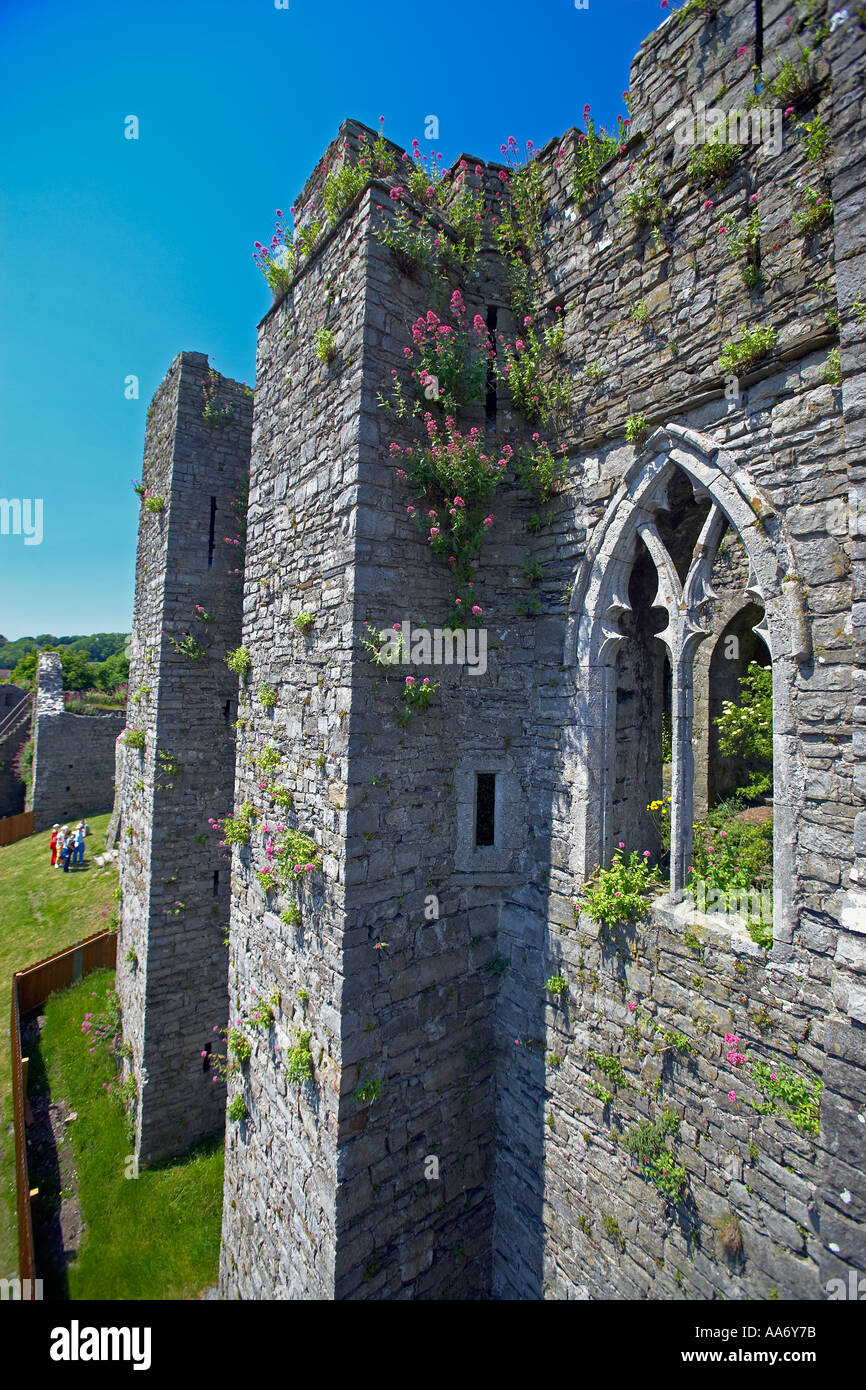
490, 401
216, 882
485, 808
205, 1064
212, 537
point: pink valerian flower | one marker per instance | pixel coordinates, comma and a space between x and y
410, 680
477, 610
631, 1007
741, 52
707, 206
732, 1095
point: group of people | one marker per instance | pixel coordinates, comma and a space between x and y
67, 846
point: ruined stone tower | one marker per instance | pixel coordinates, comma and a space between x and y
440, 1061
177, 755
73, 754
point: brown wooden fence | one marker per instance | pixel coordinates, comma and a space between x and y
30, 988
14, 828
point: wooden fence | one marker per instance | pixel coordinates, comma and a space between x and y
14, 828
30, 988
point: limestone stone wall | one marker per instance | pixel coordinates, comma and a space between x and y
172, 951
420, 959
73, 756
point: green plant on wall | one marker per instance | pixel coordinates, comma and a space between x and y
750, 347
240, 662
816, 212
325, 343
619, 894
646, 1143
299, 1061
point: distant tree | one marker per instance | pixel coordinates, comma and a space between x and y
24, 673
112, 672
78, 674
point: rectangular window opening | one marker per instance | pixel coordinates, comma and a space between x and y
205, 1062
485, 809
216, 882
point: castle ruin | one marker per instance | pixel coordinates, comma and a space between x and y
413, 1112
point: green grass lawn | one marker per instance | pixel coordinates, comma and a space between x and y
42, 910
154, 1236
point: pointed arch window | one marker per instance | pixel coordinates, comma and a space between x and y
600, 602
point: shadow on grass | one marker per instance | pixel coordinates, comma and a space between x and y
105, 1230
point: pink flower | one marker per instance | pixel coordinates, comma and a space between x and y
622, 844
707, 206
410, 680
631, 1008
477, 610
742, 51
395, 627
789, 110
732, 1095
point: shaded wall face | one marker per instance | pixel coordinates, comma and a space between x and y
12, 789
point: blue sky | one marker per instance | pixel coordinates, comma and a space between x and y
116, 254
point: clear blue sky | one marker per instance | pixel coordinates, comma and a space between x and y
117, 254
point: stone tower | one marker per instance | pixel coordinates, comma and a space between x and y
178, 752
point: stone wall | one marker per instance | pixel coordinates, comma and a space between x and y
183, 699
73, 756
420, 959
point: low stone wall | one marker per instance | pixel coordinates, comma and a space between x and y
73, 766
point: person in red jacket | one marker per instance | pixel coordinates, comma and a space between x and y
53, 843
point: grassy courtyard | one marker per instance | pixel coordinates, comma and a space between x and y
42, 910
156, 1236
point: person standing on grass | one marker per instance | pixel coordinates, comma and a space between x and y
63, 839
80, 832
66, 852
53, 844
